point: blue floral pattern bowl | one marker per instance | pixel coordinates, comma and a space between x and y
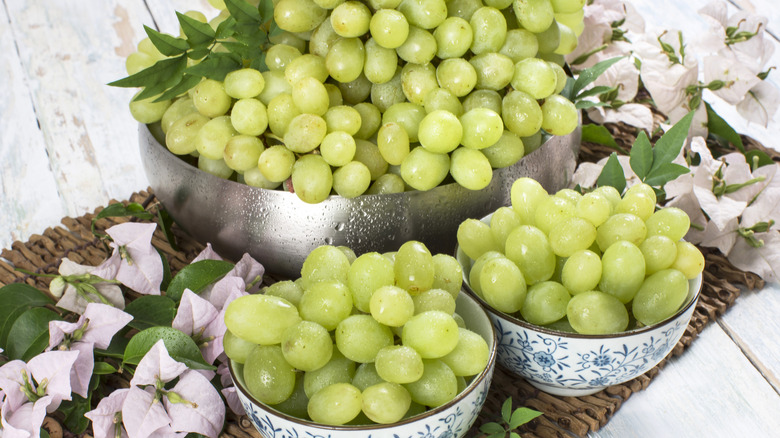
451, 420
571, 364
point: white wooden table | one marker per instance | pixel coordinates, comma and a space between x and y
69, 145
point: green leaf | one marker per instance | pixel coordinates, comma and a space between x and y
196, 276
243, 12
44, 433
165, 221
266, 9
103, 368
514, 435
521, 416
151, 311
668, 147
167, 276
167, 45
17, 298
258, 63
159, 72
215, 67
600, 135
587, 76
165, 83
661, 175
29, 335
132, 209
226, 28
251, 35
641, 158
186, 82
612, 174
198, 33
506, 409
116, 349
595, 91
492, 428
716, 125
74, 409
180, 347
585, 104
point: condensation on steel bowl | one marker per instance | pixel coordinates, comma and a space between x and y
280, 230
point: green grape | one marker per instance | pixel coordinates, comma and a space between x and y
689, 260
380, 62
387, 183
419, 46
322, 38
336, 404
370, 119
325, 263
426, 14
286, 289
596, 313
138, 61
470, 168
276, 163
581, 272
386, 402
561, 77
424, 170
622, 270
568, 40
470, 356
368, 154
244, 83
507, 151
437, 386
570, 195
551, 210
269, 378
345, 59
310, 96
408, 115
433, 334
671, 222
236, 348
522, 114
213, 137
360, 337
255, 178
482, 128
279, 55
312, 178
383, 4
356, 91
391, 305
439, 132
281, 110
642, 188
545, 303
593, 207
637, 204
441, 99
249, 116
530, 249
659, 252
307, 346
476, 269
338, 370
389, 93
342, 118
559, 115
393, 143
351, 256
327, 303
434, 299
573, 20
365, 376
549, 39
609, 192
567, 6
368, 273
306, 65
532, 142
178, 109
489, 99
351, 180
535, 77
260, 319
503, 221
294, 39
660, 296
399, 364
526, 194
534, 15
328, 4
519, 44
146, 46
305, 132
620, 226
413, 267
216, 167
476, 238
489, 27
275, 84
447, 274
389, 28
338, 149
242, 152
457, 76
562, 325
494, 70
570, 235
453, 38
463, 8
295, 405
298, 15
147, 111
417, 81
350, 19
210, 98
180, 138
502, 284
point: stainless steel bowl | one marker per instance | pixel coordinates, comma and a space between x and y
279, 230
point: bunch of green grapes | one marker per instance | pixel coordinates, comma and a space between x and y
357, 340
596, 263
380, 96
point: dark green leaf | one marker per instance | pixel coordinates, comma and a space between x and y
29, 335
761, 156
103, 368
717, 126
506, 409
258, 63
251, 34
240, 49
668, 147
266, 9
612, 174
166, 222
74, 409
600, 135
587, 76
165, 83
167, 45
521, 416
226, 28
243, 12
585, 104
132, 209
275, 30
492, 428
117, 347
159, 72
595, 91
641, 156
663, 174
514, 435
196, 276
198, 33
151, 311
215, 67
180, 347
166, 271
198, 53
567, 89
44, 433
17, 298
187, 81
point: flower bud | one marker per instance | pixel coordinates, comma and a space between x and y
57, 286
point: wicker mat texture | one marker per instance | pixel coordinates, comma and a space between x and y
563, 416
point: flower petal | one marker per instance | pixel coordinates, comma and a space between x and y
104, 415
207, 416
141, 414
54, 366
156, 365
104, 322
194, 314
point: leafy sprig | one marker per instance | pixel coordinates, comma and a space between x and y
511, 420
239, 41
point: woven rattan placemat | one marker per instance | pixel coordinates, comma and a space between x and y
563, 416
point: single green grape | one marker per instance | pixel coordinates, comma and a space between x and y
503, 285
470, 356
360, 337
338, 370
470, 168
335, 404
622, 270
276, 163
424, 170
268, 376
244, 83
596, 313
581, 272
338, 148
439, 132
236, 349
476, 238
660, 296
351, 180
453, 38
367, 274
508, 150
389, 28
242, 152
260, 319
437, 386
249, 116
312, 178
545, 303
413, 267
530, 249
307, 346
326, 303
386, 402
298, 15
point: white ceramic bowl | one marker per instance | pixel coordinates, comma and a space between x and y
571, 364
451, 420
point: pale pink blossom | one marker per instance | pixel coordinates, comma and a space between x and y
135, 262
75, 299
760, 103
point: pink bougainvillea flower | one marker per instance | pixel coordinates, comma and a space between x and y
202, 321
207, 253
135, 262
106, 417
25, 421
196, 405
229, 390
144, 416
157, 366
76, 298
764, 260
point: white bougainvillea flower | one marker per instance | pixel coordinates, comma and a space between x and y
763, 261
76, 300
760, 103
106, 417
752, 50
197, 406
633, 114
207, 253
722, 239
25, 421
200, 320
766, 205
135, 262
144, 416
736, 76
157, 365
